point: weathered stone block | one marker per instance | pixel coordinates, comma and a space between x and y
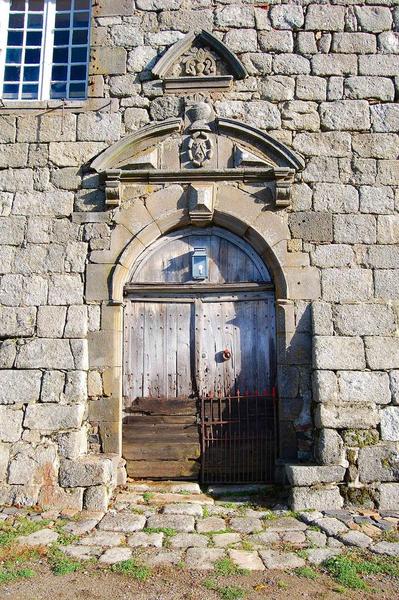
334, 64
322, 323
357, 386
96, 498
241, 40
333, 255
286, 16
291, 64
382, 352
329, 448
379, 65
99, 127
364, 319
19, 387
351, 115
276, 41
107, 61
105, 8
72, 444
341, 416
10, 424
307, 475
355, 229
330, 143
18, 322
311, 226
45, 354
277, 88
387, 284
378, 200
356, 43
347, 284
335, 198
380, 88
376, 145
338, 353
324, 498
86, 471
51, 321
373, 18
385, 117
13, 155
7, 129
65, 289
390, 423
311, 88
389, 494
378, 463
50, 417
69, 154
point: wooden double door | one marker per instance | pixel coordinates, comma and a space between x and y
179, 351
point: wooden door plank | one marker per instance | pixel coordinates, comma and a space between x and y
163, 469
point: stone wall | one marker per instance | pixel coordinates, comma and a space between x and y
322, 78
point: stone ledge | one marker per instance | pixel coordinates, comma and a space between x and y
305, 475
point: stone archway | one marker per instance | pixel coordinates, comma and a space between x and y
141, 222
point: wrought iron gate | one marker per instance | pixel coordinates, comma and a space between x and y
238, 436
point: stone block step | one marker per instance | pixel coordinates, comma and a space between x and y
172, 487
237, 490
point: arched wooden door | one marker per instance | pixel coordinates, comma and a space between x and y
199, 361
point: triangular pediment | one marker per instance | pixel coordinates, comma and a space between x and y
199, 60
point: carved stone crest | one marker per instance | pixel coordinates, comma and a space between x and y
199, 148
199, 62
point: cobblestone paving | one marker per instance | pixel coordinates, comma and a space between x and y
178, 524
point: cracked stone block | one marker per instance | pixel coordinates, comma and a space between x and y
145, 540
120, 521
244, 559
184, 523
274, 559
189, 540
39, 538
316, 556
211, 524
86, 471
246, 524
115, 555
203, 559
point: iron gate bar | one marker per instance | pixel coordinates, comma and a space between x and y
238, 437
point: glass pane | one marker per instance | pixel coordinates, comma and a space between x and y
77, 90
29, 92
10, 92
79, 55
78, 72
60, 55
34, 38
36, 5
31, 74
82, 4
18, 5
32, 56
13, 55
35, 21
15, 38
59, 73
61, 38
62, 20
80, 37
63, 5
16, 21
12, 73
81, 19
58, 90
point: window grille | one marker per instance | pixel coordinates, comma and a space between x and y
45, 49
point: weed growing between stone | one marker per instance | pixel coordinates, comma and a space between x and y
132, 569
225, 566
60, 563
306, 572
21, 526
227, 592
348, 568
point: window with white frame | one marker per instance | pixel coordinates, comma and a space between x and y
44, 49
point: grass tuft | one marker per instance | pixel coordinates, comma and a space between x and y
132, 569
343, 570
306, 572
21, 526
231, 592
60, 563
11, 574
225, 567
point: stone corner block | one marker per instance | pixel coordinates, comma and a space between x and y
317, 498
86, 471
306, 475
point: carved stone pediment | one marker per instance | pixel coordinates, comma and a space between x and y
199, 151
199, 61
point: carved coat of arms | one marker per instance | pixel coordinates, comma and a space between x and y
199, 148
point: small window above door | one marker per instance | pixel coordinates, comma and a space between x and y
202, 256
